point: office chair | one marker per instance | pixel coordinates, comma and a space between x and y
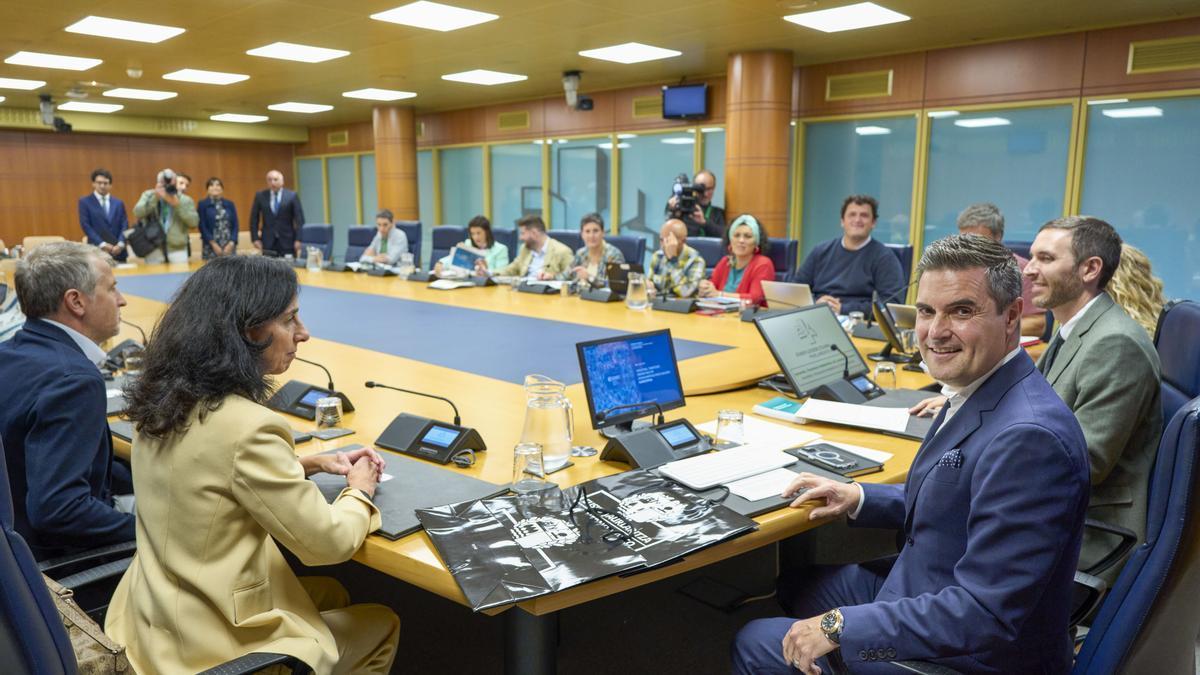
412, 230
358, 240
783, 254
1175, 340
509, 237
633, 248
709, 248
445, 237
1021, 248
319, 235
904, 253
572, 239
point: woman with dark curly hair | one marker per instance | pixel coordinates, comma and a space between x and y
219, 484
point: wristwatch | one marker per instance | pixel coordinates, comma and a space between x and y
831, 625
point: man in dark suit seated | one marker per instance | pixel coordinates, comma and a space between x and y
52, 404
991, 514
281, 216
102, 217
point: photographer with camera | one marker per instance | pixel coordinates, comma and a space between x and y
692, 203
173, 211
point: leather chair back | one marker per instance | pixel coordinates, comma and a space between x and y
1021, 248
358, 239
319, 235
904, 253
709, 248
633, 248
443, 238
571, 238
509, 237
783, 253
412, 230
1175, 340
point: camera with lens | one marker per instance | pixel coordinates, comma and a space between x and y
168, 177
686, 195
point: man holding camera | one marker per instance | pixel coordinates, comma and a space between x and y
166, 204
703, 219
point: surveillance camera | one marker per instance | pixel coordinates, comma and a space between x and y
584, 103
570, 80
46, 108
61, 126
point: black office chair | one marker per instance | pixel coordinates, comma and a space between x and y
904, 253
508, 236
572, 239
358, 240
783, 254
1175, 340
412, 230
443, 238
319, 235
709, 248
630, 246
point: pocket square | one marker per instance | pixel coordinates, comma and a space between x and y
952, 459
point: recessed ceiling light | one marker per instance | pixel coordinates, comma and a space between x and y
487, 77
1122, 113
630, 52
373, 94
292, 106
942, 113
39, 60
850, 17
205, 76
977, 122
2, 99
872, 131
123, 30
16, 83
434, 16
237, 117
1106, 101
293, 52
679, 141
142, 94
84, 106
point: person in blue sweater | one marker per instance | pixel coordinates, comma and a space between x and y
843, 272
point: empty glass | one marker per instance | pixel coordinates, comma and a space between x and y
133, 364
406, 266
527, 466
885, 374
731, 428
635, 292
908, 339
329, 412
313, 262
856, 319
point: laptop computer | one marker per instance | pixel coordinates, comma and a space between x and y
618, 276
781, 294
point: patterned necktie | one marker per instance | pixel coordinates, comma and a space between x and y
1051, 352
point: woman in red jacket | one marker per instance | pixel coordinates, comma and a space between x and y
741, 273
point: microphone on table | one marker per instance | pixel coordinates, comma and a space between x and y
457, 419
139, 329
327, 373
845, 361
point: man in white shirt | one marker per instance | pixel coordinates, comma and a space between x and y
389, 242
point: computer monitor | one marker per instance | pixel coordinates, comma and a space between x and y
618, 275
894, 350
800, 341
623, 372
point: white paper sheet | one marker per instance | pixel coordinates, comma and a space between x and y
760, 433
769, 484
449, 284
385, 477
113, 393
854, 415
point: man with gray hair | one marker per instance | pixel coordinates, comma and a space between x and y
991, 515
986, 220
58, 447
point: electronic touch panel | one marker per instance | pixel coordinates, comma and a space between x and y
440, 436
678, 435
623, 371
800, 341
311, 397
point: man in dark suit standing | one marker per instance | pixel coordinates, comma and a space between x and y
991, 514
58, 446
102, 217
282, 217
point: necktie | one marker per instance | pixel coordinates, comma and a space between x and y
274, 202
104, 205
1051, 352
383, 244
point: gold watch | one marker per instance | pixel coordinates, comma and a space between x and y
831, 625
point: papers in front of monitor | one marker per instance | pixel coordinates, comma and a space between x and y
894, 420
767, 435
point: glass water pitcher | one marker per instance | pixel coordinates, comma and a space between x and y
549, 420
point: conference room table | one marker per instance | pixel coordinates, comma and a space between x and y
472, 345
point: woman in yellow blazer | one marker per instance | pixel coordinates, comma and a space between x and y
218, 484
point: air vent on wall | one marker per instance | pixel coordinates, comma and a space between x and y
516, 120
647, 106
420, 129
1156, 56
858, 85
336, 138
19, 117
175, 126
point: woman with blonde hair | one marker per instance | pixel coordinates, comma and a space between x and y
1135, 288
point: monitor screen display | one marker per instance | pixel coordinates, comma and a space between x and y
440, 436
689, 100
800, 341
310, 397
629, 369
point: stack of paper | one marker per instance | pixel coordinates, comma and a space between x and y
766, 435
894, 420
450, 284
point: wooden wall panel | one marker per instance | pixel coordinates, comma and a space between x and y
361, 134
43, 175
1045, 67
1104, 71
908, 83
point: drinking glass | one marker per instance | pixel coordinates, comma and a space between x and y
329, 412
313, 262
885, 374
731, 430
133, 364
635, 292
406, 266
527, 480
856, 319
908, 339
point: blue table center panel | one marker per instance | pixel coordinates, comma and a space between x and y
500, 346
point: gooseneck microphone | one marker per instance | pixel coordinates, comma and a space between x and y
457, 419
327, 374
139, 329
845, 362
600, 416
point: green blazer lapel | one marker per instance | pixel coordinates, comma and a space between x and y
1066, 353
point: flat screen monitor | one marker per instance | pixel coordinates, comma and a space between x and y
894, 351
801, 341
618, 275
619, 373
685, 101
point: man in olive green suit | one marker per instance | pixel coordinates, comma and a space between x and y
540, 257
1103, 365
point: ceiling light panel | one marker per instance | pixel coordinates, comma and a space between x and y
17, 83
485, 77
84, 106
1125, 113
434, 16
980, 122
373, 94
205, 76
850, 17
120, 29
2, 99
239, 118
630, 52
40, 60
293, 106
289, 51
140, 94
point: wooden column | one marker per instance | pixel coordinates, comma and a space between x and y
396, 161
757, 124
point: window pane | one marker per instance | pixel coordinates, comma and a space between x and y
579, 180
462, 185
343, 200
516, 182
310, 184
425, 185
370, 191
649, 165
872, 157
1140, 175
714, 159
1020, 165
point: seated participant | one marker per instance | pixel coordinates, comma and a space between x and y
480, 238
540, 257
590, 262
102, 217
1135, 288
53, 403
992, 515
223, 489
986, 220
843, 272
218, 221
741, 273
676, 269
389, 242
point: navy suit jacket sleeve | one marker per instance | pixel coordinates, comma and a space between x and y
70, 422
1015, 528
85, 222
255, 210
204, 211
883, 506
120, 220
297, 213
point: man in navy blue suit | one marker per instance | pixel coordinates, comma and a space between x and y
282, 217
102, 216
53, 403
991, 513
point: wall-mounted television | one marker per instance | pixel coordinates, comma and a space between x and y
685, 101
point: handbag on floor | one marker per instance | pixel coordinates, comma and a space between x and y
95, 653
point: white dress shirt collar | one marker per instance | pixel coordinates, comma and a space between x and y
1066, 328
91, 350
957, 397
